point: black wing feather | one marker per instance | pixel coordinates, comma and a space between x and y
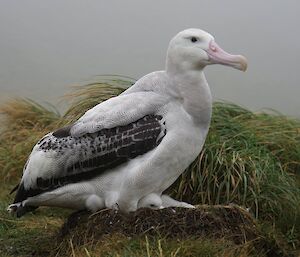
100, 151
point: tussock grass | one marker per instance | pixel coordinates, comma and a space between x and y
249, 159
27, 114
240, 164
85, 97
23, 123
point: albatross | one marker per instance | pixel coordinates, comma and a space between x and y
126, 151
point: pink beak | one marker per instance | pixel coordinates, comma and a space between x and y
218, 55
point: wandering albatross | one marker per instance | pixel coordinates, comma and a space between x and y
125, 152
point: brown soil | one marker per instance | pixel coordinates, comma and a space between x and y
231, 222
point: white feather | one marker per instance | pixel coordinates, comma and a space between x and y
180, 95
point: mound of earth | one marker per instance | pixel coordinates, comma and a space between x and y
231, 222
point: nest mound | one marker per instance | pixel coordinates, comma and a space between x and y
231, 222
217, 221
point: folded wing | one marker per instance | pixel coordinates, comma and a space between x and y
105, 137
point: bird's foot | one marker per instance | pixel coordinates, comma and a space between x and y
115, 207
186, 205
94, 203
13, 208
170, 202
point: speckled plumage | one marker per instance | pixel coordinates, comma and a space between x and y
97, 152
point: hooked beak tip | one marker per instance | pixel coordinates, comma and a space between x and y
243, 63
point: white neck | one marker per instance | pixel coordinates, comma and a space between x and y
193, 88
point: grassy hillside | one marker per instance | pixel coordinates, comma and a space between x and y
250, 159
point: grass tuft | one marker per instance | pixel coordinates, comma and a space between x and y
249, 159
85, 97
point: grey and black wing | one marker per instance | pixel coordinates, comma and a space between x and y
61, 158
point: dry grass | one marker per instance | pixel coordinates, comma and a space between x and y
249, 159
213, 221
177, 231
85, 97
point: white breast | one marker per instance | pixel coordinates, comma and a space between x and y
156, 170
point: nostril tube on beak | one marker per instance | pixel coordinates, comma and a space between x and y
218, 55
213, 48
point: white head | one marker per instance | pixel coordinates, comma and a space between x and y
193, 49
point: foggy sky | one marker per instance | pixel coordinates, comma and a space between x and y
46, 46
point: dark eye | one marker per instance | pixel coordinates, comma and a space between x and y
194, 39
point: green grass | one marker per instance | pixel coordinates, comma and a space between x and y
240, 164
159, 247
250, 159
35, 233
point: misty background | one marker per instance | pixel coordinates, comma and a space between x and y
46, 46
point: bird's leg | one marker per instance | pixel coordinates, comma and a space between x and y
120, 201
167, 201
128, 206
94, 203
111, 200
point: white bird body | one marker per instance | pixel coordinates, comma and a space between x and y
126, 151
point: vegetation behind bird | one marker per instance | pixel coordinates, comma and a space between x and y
249, 159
